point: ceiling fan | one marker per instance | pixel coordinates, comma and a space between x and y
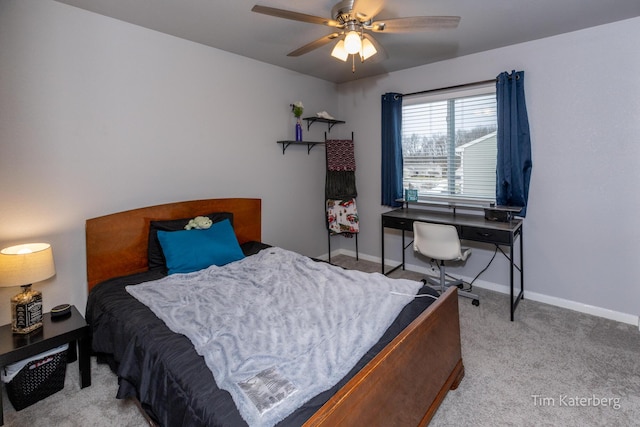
354, 19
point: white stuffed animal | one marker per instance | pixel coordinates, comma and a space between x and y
199, 223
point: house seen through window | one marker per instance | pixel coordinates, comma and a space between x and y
449, 145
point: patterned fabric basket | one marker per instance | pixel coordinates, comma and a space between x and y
38, 379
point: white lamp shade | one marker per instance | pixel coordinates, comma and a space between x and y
352, 43
368, 49
339, 51
26, 264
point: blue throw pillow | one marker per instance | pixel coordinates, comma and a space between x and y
193, 250
155, 256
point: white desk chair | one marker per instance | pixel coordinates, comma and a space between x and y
441, 243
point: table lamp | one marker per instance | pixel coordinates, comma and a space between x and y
23, 265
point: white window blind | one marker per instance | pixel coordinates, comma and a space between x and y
449, 145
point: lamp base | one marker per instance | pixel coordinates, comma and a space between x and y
26, 311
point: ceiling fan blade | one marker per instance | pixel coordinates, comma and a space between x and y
314, 45
295, 16
415, 23
365, 10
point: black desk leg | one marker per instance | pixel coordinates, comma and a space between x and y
521, 265
386, 273
84, 361
514, 303
513, 306
403, 248
382, 234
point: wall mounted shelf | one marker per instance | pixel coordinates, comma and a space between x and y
330, 122
309, 144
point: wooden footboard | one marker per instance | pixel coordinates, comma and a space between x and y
406, 382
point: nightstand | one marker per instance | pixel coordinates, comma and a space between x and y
70, 329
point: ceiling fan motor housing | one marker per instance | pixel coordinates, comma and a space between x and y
342, 12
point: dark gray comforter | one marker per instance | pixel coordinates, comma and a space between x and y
162, 369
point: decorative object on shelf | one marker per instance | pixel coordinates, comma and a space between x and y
23, 265
298, 130
297, 109
411, 195
325, 115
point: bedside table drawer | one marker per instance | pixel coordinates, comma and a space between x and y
397, 223
485, 235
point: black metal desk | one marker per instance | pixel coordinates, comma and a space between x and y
70, 329
470, 227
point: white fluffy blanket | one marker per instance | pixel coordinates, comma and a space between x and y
277, 328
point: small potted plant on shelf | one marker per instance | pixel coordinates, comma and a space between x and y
297, 109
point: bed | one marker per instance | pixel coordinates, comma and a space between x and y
401, 381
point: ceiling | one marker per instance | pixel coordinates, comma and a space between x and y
230, 25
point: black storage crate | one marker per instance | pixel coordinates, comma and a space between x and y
38, 379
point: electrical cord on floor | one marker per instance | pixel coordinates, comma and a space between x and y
470, 284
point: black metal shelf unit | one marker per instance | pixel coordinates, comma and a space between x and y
330, 122
311, 144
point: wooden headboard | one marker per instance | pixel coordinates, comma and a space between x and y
117, 243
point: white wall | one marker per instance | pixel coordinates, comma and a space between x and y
99, 116
582, 228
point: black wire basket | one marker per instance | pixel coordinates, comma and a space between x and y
37, 379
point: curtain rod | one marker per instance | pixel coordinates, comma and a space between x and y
422, 92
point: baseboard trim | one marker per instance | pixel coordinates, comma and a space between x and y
534, 296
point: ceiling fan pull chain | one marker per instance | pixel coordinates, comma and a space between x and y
353, 63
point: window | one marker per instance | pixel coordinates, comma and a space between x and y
449, 145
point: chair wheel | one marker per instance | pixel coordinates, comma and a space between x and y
460, 286
475, 302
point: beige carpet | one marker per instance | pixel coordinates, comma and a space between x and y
551, 367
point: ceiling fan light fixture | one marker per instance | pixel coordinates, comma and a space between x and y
352, 43
368, 49
351, 18
339, 51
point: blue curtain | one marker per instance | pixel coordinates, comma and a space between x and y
513, 169
391, 149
